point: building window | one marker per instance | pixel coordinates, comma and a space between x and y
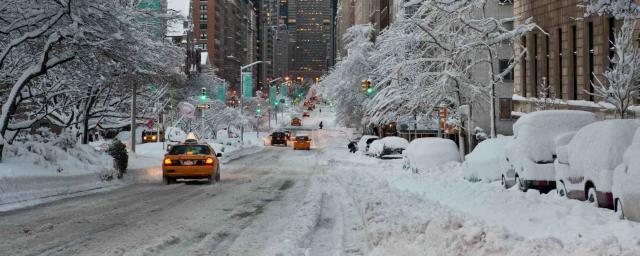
559, 88
523, 79
506, 105
505, 2
591, 58
535, 65
204, 7
203, 26
574, 61
203, 46
503, 65
203, 35
204, 17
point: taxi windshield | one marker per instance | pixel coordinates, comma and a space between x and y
190, 150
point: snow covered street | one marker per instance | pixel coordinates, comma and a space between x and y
321, 202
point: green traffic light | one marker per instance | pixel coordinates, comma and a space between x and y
203, 97
369, 91
258, 111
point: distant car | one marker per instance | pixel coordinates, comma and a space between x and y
388, 147
152, 136
593, 154
365, 141
625, 189
296, 122
302, 142
430, 153
278, 138
305, 114
532, 151
486, 161
191, 161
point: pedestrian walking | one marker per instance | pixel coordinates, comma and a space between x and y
352, 147
320, 125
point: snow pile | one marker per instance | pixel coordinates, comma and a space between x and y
631, 155
376, 148
562, 148
487, 160
362, 144
175, 134
598, 148
534, 133
429, 153
625, 181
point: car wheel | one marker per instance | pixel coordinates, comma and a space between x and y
619, 209
521, 184
166, 180
562, 190
592, 196
210, 179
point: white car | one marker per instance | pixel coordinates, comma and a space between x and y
487, 160
625, 189
561, 164
365, 141
532, 151
388, 147
594, 152
429, 153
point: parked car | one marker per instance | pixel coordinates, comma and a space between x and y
429, 153
532, 151
302, 142
561, 164
487, 160
365, 141
593, 154
306, 114
388, 147
625, 189
278, 138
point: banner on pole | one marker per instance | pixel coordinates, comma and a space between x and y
273, 93
221, 91
283, 90
247, 83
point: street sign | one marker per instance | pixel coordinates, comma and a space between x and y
247, 83
221, 91
204, 106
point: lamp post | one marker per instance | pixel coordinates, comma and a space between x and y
242, 68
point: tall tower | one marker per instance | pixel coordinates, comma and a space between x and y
310, 30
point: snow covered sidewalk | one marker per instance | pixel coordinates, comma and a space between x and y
440, 213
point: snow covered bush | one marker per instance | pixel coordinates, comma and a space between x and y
118, 151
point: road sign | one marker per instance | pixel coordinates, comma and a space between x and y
247, 83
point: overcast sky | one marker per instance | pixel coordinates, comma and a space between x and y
181, 6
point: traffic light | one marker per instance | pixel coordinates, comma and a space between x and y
203, 94
367, 88
258, 111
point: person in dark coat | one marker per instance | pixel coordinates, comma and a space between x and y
320, 125
352, 147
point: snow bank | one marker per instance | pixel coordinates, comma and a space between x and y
487, 160
429, 153
376, 148
598, 148
534, 133
175, 134
625, 181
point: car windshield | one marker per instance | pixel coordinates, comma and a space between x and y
190, 150
277, 134
302, 138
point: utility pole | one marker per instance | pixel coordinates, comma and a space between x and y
134, 91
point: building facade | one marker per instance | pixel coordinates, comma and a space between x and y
562, 63
310, 27
227, 31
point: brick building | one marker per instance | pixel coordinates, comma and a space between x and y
569, 56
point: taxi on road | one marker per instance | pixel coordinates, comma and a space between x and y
191, 160
296, 122
302, 142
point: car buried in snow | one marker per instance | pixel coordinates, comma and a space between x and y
191, 160
625, 189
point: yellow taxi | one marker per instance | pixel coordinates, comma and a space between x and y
296, 122
302, 142
191, 160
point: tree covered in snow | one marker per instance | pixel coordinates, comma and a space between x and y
620, 84
343, 83
74, 62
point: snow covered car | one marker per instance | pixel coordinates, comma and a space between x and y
594, 152
365, 141
625, 189
388, 147
429, 153
532, 151
561, 164
487, 160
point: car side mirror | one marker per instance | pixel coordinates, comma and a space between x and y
219, 155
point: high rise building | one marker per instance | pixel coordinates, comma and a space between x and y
226, 30
310, 29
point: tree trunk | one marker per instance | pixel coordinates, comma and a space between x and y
492, 112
